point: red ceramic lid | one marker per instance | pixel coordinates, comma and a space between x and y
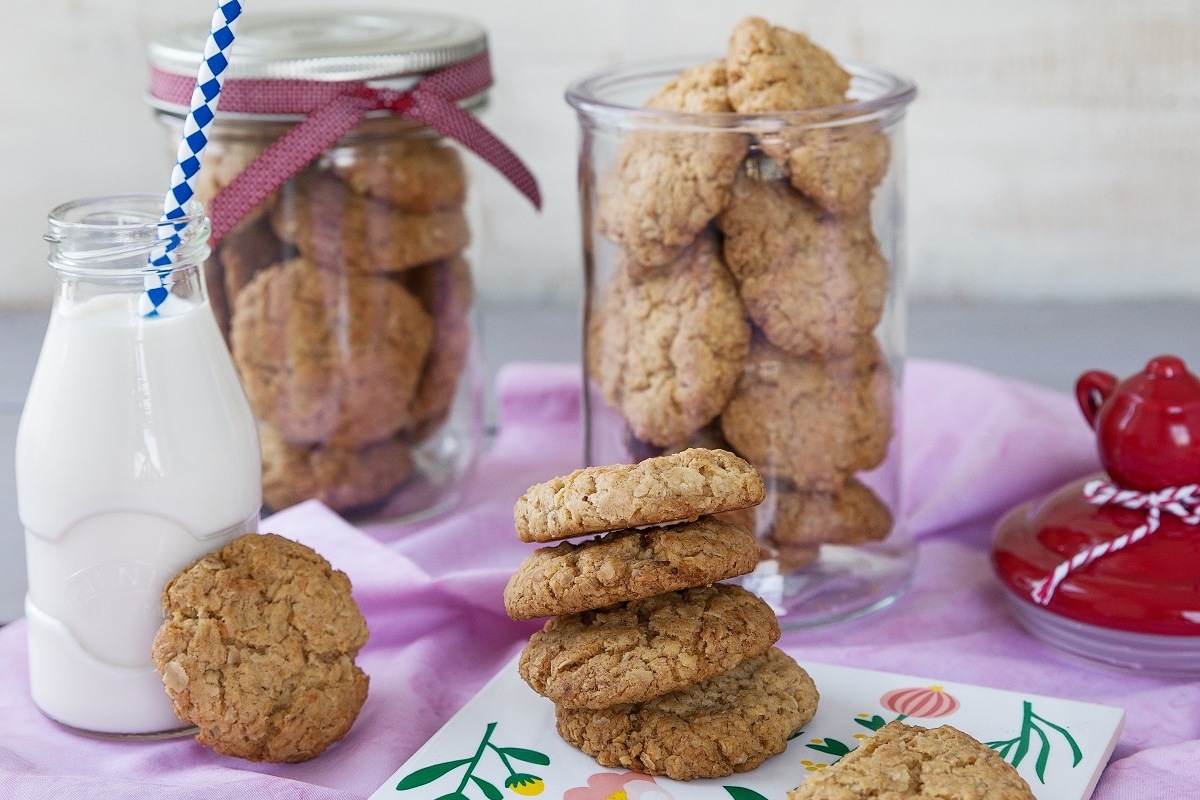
1149, 586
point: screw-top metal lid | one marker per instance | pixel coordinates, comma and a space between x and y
362, 46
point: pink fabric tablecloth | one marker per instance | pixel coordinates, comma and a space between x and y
974, 446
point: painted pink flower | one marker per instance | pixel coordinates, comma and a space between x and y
929, 701
618, 786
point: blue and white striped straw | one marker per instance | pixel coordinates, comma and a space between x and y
200, 115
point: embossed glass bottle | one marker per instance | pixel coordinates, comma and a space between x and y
136, 454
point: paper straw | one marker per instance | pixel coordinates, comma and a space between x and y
200, 115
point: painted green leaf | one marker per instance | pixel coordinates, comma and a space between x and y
797, 733
530, 756
428, 774
1076, 753
874, 723
831, 746
488, 789
742, 793
1043, 755
1022, 749
1002, 747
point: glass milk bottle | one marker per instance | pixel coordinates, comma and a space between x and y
136, 454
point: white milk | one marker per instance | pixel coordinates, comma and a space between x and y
136, 454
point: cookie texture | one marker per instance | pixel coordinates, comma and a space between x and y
812, 423
329, 359
814, 283
666, 350
666, 186
339, 229
258, 650
343, 478
628, 565
414, 174
674, 488
771, 68
730, 723
836, 167
247, 249
908, 762
851, 514
632, 652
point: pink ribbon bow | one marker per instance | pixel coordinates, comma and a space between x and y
332, 108
1182, 501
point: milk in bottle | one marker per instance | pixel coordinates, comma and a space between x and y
136, 454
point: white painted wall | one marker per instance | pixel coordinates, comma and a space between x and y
1054, 150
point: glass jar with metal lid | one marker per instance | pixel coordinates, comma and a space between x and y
343, 221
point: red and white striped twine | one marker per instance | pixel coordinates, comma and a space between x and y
1182, 501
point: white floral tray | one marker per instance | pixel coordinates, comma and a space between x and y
503, 743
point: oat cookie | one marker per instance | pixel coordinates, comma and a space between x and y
907, 761
775, 69
327, 358
666, 351
632, 652
809, 422
730, 723
245, 251
342, 478
414, 174
815, 284
851, 514
258, 650
836, 167
446, 291
674, 488
628, 565
337, 228
665, 187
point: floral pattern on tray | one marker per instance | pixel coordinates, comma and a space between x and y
503, 744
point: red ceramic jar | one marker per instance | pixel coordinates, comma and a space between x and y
1111, 570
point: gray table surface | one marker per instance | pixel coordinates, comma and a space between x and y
1046, 343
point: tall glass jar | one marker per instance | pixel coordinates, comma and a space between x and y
136, 455
347, 294
744, 280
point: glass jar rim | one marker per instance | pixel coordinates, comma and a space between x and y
588, 96
115, 235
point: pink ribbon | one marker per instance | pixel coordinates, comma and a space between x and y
1181, 501
331, 108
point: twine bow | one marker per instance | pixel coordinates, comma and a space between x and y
1181, 501
332, 108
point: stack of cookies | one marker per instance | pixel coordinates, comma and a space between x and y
746, 287
345, 297
651, 663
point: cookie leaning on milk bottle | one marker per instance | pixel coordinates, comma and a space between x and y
649, 650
